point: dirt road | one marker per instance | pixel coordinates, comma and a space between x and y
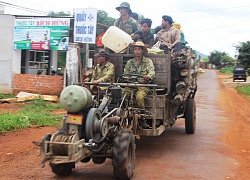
220, 148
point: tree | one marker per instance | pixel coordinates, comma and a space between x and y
61, 13
205, 60
227, 61
244, 53
103, 18
219, 58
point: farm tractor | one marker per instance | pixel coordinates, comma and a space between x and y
96, 129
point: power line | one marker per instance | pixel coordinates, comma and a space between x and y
23, 8
219, 27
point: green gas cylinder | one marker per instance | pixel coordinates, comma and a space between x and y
75, 98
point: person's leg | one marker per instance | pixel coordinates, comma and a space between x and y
177, 47
126, 91
140, 94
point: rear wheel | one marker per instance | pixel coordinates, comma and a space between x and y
124, 155
62, 169
190, 116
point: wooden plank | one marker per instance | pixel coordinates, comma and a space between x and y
24, 96
8, 100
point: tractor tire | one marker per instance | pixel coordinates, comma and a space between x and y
124, 155
99, 160
62, 169
190, 116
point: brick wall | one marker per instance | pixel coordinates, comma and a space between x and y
39, 84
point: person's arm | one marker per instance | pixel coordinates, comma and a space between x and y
136, 27
157, 36
126, 68
150, 41
93, 75
151, 69
177, 36
136, 32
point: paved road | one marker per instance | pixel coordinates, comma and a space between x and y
216, 151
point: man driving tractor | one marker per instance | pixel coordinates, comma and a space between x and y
143, 66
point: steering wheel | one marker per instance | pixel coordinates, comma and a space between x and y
132, 78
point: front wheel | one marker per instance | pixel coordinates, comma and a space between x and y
62, 169
190, 116
124, 155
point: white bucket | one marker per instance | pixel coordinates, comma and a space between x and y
116, 39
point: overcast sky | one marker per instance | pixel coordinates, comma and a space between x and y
208, 25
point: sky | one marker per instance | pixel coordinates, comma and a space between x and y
208, 25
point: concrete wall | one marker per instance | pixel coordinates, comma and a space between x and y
7, 53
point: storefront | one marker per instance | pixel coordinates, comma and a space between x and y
37, 46
42, 62
41, 40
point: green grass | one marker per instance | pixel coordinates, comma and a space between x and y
227, 70
244, 90
5, 96
36, 113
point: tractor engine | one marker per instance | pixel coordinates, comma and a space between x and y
116, 97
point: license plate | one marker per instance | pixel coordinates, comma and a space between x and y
74, 119
240, 76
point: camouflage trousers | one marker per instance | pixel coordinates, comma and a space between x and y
139, 93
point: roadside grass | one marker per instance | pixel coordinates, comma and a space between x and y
244, 90
227, 70
4, 96
35, 114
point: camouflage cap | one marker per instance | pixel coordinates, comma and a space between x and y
124, 5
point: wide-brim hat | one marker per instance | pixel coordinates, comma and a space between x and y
102, 53
124, 5
140, 44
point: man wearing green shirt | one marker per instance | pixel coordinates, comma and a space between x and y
143, 66
145, 35
140, 65
126, 22
104, 70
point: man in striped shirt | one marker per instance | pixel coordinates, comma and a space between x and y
168, 37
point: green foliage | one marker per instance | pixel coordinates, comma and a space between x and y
220, 58
248, 71
11, 122
244, 53
140, 18
205, 60
103, 18
244, 90
227, 61
61, 13
5, 96
227, 70
37, 113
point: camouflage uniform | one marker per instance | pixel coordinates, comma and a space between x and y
130, 26
148, 39
146, 67
104, 74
